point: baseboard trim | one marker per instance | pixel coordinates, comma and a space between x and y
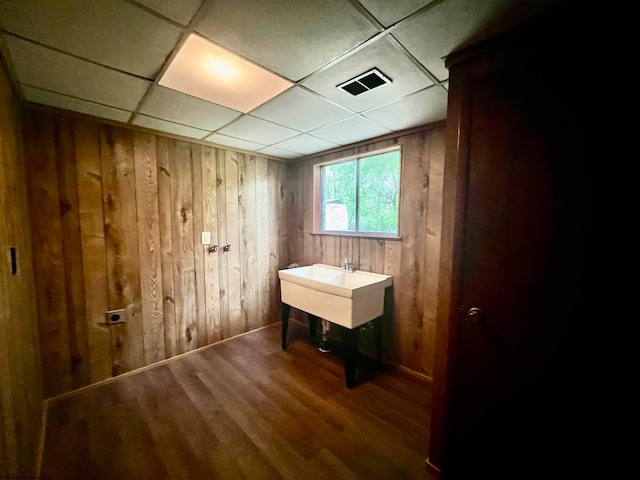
153, 365
41, 438
70, 393
432, 469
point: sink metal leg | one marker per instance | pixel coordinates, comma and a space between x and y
324, 343
313, 324
377, 332
350, 353
285, 324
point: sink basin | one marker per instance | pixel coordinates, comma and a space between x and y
349, 299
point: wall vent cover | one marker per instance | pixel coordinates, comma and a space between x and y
364, 82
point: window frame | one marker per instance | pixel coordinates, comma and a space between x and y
317, 196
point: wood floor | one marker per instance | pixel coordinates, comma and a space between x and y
244, 409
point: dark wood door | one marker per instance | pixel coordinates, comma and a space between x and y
517, 386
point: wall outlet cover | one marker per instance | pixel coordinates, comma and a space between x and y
115, 316
206, 238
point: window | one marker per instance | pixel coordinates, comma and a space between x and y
359, 195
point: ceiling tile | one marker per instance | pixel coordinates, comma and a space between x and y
405, 76
110, 32
388, 13
180, 108
233, 142
291, 38
351, 130
276, 152
258, 131
426, 106
164, 126
181, 11
44, 68
65, 102
75, 54
300, 109
434, 33
305, 144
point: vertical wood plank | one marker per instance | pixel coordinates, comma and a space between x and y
355, 253
377, 256
262, 202
281, 190
392, 329
295, 225
8, 415
279, 223
346, 249
329, 253
366, 254
9, 363
165, 222
146, 184
432, 260
93, 247
233, 237
183, 259
413, 220
310, 252
211, 259
72, 253
44, 203
221, 179
119, 194
20, 361
198, 248
274, 242
248, 242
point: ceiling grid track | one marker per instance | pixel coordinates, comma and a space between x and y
109, 60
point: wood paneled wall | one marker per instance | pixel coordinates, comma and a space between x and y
117, 216
20, 375
409, 338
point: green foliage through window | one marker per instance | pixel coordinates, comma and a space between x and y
361, 195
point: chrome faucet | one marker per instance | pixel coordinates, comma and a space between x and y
345, 265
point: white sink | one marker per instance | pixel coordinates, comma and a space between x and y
349, 299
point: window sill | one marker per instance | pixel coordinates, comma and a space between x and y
357, 235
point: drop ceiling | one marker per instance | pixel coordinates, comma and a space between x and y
114, 60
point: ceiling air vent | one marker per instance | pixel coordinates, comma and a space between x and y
364, 82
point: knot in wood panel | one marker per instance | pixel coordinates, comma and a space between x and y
65, 206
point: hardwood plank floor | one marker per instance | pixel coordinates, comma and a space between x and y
244, 408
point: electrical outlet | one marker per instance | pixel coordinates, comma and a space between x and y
206, 238
115, 316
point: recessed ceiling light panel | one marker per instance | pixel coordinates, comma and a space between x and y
364, 82
204, 70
